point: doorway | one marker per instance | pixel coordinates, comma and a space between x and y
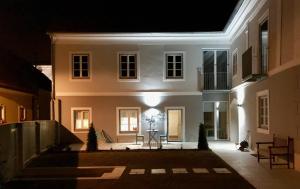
215, 120
175, 124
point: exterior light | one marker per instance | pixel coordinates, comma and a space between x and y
152, 100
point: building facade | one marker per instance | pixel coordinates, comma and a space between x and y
243, 82
25, 93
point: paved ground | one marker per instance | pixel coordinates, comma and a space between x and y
130, 169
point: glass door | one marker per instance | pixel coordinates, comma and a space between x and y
175, 124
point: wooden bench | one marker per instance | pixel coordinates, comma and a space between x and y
280, 147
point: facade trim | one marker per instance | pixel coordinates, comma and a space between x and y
192, 93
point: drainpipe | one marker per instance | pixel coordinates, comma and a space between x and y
53, 75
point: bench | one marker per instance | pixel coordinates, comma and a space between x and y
279, 147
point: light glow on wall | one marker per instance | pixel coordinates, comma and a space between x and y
241, 113
152, 100
152, 112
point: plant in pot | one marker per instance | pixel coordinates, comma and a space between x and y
92, 143
202, 140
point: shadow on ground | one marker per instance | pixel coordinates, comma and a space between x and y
65, 164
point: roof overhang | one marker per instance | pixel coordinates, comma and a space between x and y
238, 22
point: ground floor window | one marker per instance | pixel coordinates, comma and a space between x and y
262, 101
81, 119
2, 114
128, 120
22, 113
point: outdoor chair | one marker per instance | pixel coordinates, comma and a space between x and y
163, 137
139, 138
280, 148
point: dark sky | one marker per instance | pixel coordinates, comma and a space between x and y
24, 23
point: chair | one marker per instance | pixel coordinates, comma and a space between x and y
163, 137
139, 138
280, 147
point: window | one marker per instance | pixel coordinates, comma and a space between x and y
174, 65
262, 99
128, 120
127, 66
22, 113
263, 46
215, 65
234, 62
80, 66
2, 114
81, 119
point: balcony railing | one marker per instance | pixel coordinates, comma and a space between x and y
210, 84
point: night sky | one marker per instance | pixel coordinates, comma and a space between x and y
24, 23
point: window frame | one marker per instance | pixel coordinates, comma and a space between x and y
73, 124
183, 67
24, 114
264, 18
122, 133
265, 127
235, 58
81, 78
2, 114
128, 79
215, 51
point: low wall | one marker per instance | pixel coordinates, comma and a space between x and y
20, 142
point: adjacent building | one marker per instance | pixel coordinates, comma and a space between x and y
25, 93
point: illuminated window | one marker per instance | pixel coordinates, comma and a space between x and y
264, 46
22, 113
127, 66
2, 114
128, 120
262, 99
234, 62
81, 119
80, 66
174, 65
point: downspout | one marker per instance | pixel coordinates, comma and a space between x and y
52, 55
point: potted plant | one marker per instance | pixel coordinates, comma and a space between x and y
202, 141
92, 144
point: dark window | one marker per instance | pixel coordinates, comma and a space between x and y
263, 46
127, 66
80, 66
174, 66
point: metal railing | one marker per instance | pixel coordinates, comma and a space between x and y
209, 81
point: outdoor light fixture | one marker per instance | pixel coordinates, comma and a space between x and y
152, 100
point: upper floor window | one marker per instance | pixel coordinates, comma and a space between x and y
234, 62
262, 99
80, 66
81, 119
215, 68
2, 114
128, 66
128, 120
264, 46
174, 65
22, 113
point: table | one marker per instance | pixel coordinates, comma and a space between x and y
152, 133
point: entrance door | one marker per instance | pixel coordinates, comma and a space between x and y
215, 120
175, 124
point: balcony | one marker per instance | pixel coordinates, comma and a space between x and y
216, 81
